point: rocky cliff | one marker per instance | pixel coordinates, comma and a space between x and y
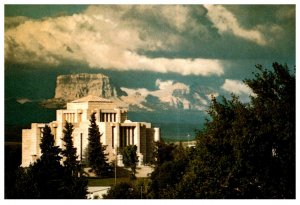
173, 95
71, 87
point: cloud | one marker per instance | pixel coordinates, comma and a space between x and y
11, 22
23, 100
164, 92
236, 87
168, 38
108, 37
225, 21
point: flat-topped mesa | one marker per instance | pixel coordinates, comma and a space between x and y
74, 86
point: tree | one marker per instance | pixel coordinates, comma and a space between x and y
274, 109
171, 163
247, 150
123, 190
47, 178
70, 162
162, 152
77, 185
46, 175
96, 157
130, 159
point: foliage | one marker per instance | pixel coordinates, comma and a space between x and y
173, 161
47, 178
248, 150
46, 175
50, 153
130, 159
76, 183
162, 152
96, 151
274, 110
123, 190
12, 163
70, 159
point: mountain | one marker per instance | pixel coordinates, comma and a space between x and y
169, 95
71, 87
175, 107
74, 86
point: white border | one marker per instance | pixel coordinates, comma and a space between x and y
86, 2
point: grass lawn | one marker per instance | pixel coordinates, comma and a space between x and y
122, 176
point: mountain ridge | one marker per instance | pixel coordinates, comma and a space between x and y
169, 95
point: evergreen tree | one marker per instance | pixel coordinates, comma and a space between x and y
47, 178
70, 162
96, 151
50, 153
47, 172
77, 185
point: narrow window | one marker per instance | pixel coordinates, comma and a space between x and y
81, 147
112, 137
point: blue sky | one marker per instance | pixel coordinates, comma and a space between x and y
211, 47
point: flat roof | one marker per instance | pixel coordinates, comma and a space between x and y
91, 98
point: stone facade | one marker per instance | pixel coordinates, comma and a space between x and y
117, 131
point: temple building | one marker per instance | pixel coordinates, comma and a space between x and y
117, 131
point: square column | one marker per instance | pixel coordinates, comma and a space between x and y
137, 135
117, 138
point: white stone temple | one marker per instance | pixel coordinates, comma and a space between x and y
117, 131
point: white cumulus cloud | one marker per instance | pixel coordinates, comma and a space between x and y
164, 92
109, 37
236, 87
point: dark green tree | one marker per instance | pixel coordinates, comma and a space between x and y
25, 186
123, 190
173, 161
71, 163
97, 158
47, 178
76, 183
162, 152
130, 159
274, 109
247, 150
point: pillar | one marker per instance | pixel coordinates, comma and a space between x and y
124, 136
118, 116
132, 135
156, 134
117, 137
127, 136
137, 137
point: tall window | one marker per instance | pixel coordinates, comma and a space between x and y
113, 137
80, 147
